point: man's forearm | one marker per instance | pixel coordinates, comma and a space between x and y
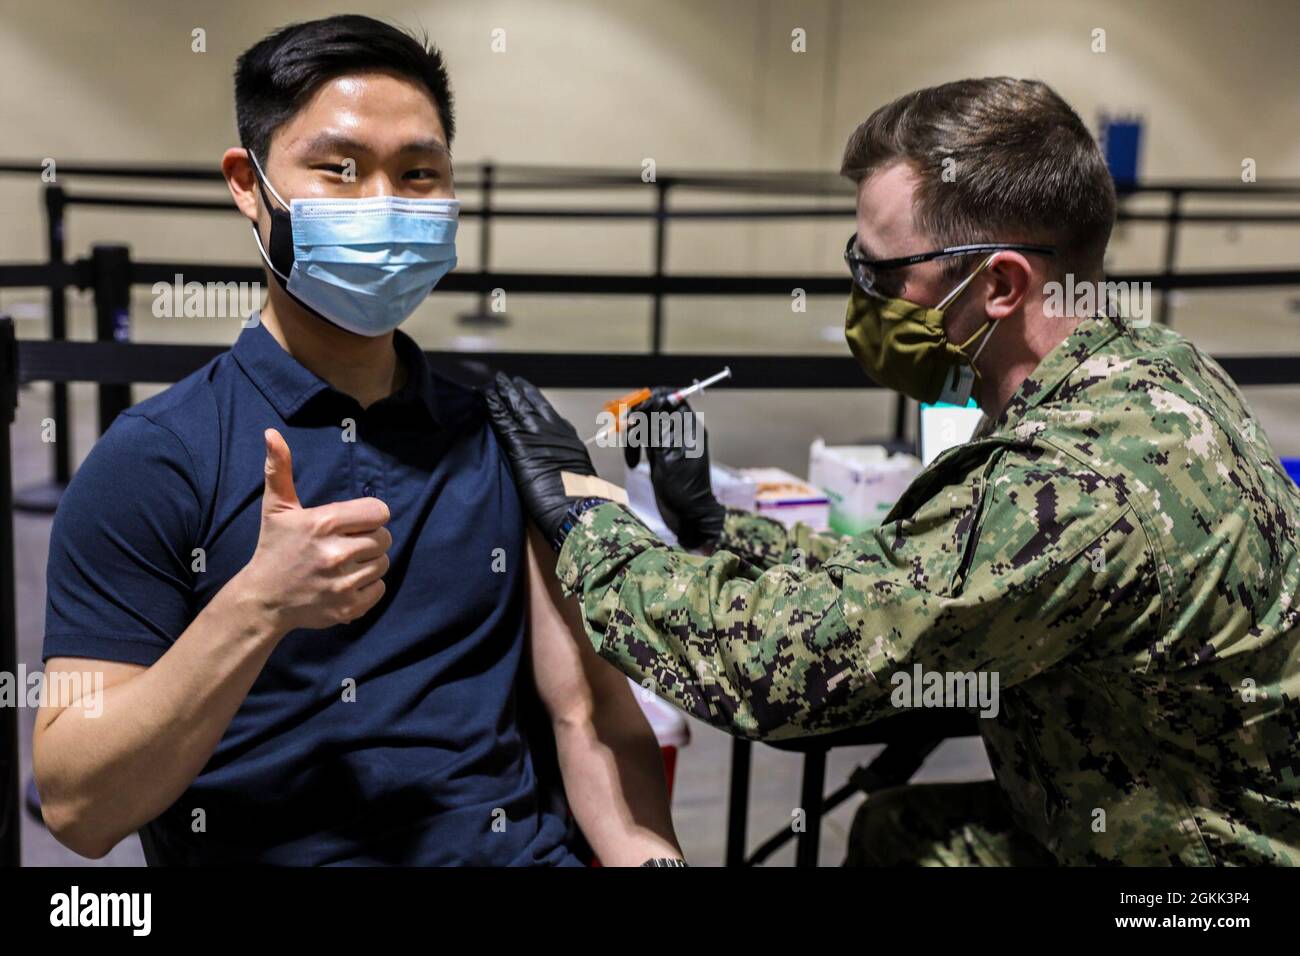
102, 776
610, 761
614, 777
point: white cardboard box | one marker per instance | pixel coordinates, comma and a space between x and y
862, 482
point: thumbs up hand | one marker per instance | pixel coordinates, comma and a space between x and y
315, 567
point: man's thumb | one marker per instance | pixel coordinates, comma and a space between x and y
278, 494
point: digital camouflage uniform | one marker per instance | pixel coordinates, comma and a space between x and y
1119, 547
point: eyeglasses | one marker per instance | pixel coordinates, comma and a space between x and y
866, 272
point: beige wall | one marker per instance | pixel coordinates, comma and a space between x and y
690, 84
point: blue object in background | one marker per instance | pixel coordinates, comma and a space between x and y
1121, 140
1292, 467
34, 801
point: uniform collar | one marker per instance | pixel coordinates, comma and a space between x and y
1088, 337
289, 386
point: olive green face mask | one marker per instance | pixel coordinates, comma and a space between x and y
903, 345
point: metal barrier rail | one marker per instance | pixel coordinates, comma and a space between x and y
790, 181
79, 274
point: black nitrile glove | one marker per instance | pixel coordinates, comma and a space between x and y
679, 470
540, 444
657, 402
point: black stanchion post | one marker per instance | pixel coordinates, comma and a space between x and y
661, 251
1171, 252
482, 315
111, 267
485, 237
900, 417
55, 203
10, 846
44, 498
738, 801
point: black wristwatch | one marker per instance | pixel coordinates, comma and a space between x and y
665, 861
571, 519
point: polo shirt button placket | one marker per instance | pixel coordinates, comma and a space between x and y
366, 461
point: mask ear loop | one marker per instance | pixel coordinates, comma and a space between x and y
951, 296
982, 344
263, 181
264, 184
961, 287
958, 378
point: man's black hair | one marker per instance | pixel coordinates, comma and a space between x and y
274, 77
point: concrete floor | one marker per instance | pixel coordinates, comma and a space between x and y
1261, 322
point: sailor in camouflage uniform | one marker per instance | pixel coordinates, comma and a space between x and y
1118, 544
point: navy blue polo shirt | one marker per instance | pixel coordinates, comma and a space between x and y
444, 756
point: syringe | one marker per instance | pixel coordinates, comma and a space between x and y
628, 402
679, 396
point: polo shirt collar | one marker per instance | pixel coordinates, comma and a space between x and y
420, 385
289, 386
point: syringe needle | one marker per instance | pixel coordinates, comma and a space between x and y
684, 393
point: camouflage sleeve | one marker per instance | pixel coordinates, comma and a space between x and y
765, 542
1005, 573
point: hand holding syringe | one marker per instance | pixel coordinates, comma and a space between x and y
619, 407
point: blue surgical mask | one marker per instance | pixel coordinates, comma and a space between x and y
362, 264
